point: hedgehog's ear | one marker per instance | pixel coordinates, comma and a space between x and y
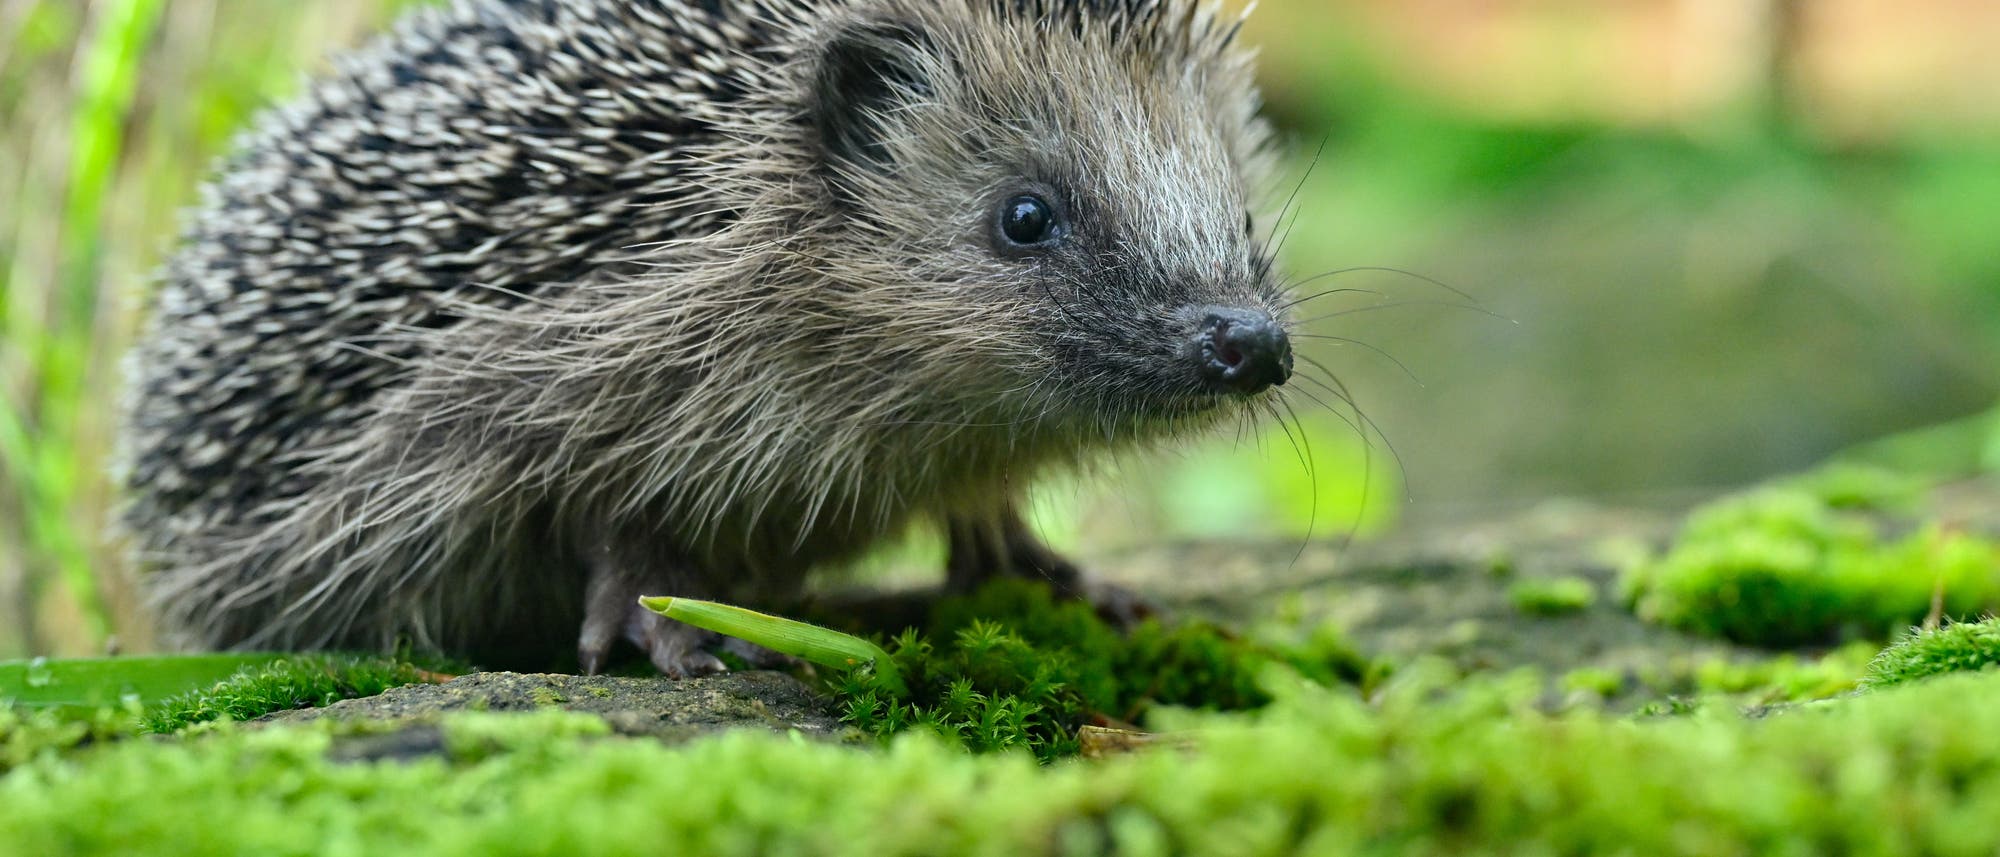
866, 72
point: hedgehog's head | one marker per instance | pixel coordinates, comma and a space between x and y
1047, 205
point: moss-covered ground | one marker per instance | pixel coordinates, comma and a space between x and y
299, 682
1427, 765
1692, 688
1813, 561
1013, 667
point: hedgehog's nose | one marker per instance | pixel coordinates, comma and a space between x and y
1242, 351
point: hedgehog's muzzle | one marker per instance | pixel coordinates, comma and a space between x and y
1240, 351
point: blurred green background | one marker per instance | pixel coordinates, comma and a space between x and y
1709, 240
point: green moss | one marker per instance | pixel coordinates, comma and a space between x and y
1552, 596
1789, 677
1959, 647
1597, 681
479, 737
1854, 486
1424, 766
27, 734
1784, 566
306, 681
1017, 668
1673, 706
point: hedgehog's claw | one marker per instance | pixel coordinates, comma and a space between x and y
1119, 606
675, 648
612, 613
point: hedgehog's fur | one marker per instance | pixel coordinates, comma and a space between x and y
542, 304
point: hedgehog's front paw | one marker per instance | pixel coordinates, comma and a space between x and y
983, 549
676, 648
612, 613
1121, 607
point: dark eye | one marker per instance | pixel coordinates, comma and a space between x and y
1249, 225
1027, 220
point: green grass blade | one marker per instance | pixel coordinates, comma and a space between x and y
822, 646
86, 683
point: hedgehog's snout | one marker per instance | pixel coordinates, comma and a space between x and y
1241, 351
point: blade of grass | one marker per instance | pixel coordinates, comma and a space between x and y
822, 646
88, 683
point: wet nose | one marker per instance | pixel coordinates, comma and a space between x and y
1243, 351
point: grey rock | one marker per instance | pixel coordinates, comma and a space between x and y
656, 707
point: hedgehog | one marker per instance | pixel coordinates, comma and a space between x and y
534, 307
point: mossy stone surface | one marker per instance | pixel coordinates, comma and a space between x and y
1432, 592
654, 706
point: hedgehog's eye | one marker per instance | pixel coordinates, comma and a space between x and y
1028, 220
1249, 225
